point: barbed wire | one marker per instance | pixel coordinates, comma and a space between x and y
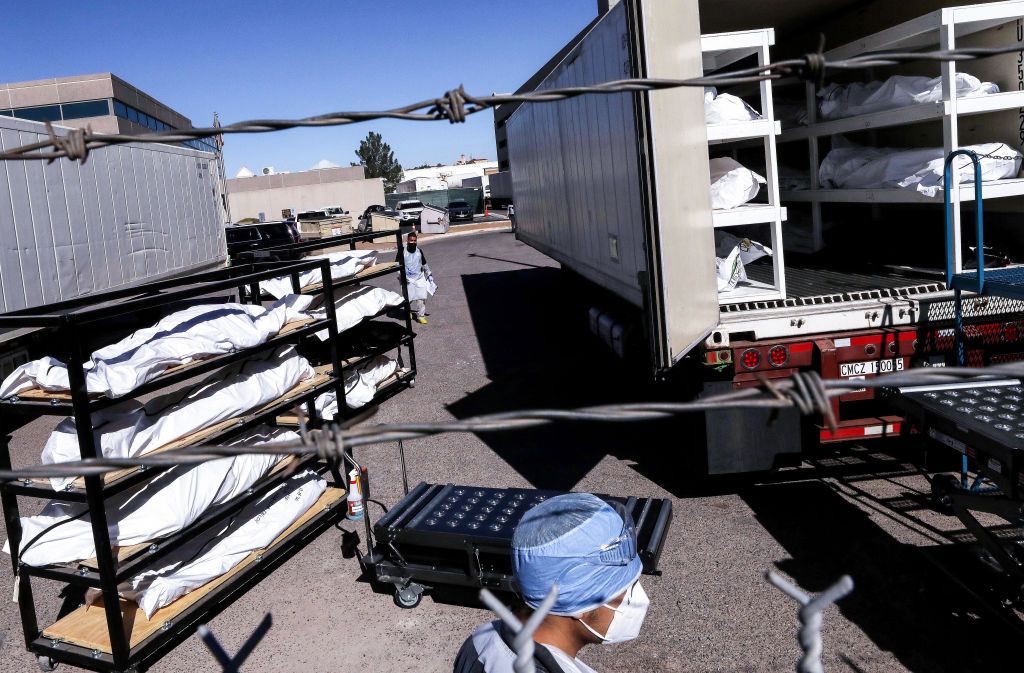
810, 615
228, 663
806, 392
522, 634
456, 105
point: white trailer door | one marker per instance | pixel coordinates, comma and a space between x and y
681, 290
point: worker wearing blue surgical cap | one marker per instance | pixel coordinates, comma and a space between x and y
587, 549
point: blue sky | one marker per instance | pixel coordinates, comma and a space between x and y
293, 59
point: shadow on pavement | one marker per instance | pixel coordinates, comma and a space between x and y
901, 601
538, 352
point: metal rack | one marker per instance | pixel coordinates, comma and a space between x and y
406, 377
718, 51
938, 29
70, 322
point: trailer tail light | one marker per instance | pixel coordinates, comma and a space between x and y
751, 358
778, 356
717, 357
1011, 332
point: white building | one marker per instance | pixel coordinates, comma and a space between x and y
444, 177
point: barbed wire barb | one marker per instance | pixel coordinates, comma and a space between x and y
522, 642
228, 663
810, 615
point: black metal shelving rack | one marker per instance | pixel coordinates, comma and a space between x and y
405, 338
70, 322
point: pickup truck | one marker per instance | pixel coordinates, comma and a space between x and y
409, 211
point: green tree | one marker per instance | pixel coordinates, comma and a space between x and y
378, 159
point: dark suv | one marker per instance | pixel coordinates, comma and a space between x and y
460, 210
251, 237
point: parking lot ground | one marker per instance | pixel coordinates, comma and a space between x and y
502, 335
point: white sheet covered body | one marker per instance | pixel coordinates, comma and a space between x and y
724, 108
917, 169
731, 255
848, 100
130, 428
360, 386
171, 502
217, 551
191, 334
343, 265
732, 184
358, 304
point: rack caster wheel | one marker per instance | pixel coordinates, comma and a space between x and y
408, 597
46, 663
943, 485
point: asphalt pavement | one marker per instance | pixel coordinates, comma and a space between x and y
502, 336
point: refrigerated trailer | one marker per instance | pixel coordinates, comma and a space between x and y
615, 188
129, 214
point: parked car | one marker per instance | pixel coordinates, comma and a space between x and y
243, 238
335, 211
366, 219
409, 211
460, 210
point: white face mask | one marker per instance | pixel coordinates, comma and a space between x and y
628, 619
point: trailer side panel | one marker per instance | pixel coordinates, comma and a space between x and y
68, 229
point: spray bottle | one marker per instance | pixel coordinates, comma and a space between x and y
354, 498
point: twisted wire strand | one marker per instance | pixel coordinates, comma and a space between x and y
455, 106
522, 642
810, 616
807, 392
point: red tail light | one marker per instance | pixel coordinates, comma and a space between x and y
751, 358
778, 356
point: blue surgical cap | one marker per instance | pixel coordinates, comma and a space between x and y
550, 546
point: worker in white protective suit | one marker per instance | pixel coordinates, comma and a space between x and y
421, 280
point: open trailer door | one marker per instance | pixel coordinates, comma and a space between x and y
681, 290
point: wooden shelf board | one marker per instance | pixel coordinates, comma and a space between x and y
87, 626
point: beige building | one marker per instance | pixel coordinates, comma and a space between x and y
104, 103
304, 190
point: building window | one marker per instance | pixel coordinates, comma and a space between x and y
502, 144
89, 108
43, 113
503, 166
134, 115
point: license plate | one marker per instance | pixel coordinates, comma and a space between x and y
848, 369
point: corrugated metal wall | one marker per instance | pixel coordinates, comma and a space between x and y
574, 167
129, 214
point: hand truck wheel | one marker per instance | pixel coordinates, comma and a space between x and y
46, 663
943, 485
408, 597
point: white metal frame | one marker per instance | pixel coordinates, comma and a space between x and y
720, 50
938, 29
